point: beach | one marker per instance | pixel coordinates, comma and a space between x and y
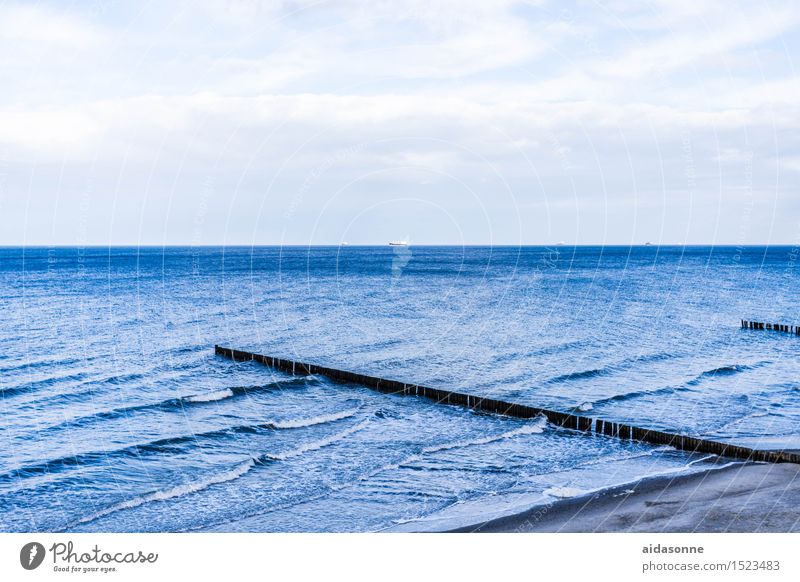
736, 498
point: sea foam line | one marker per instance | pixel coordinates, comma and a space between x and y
230, 475
177, 491
92, 457
172, 403
564, 492
315, 445
210, 396
322, 419
535, 427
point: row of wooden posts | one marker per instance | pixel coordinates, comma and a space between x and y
794, 329
566, 420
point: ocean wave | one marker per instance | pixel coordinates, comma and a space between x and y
178, 403
210, 396
536, 426
36, 385
582, 374
165, 445
215, 479
82, 386
557, 348
118, 379
610, 368
616, 457
322, 419
384, 413
728, 370
225, 393
722, 370
567, 492
189, 349
686, 387
34, 364
314, 445
564, 492
177, 491
755, 414
638, 394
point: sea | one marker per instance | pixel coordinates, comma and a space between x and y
117, 416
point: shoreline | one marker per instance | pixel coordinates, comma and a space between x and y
746, 497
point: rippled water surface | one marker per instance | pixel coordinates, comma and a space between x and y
117, 415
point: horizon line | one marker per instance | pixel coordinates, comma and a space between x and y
372, 245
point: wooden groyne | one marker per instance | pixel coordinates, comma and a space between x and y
571, 421
793, 329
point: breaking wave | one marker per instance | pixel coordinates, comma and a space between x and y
211, 396
314, 445
177, 491
225, 476
182, 402
165, 444
610, 368
535, 427
564, 492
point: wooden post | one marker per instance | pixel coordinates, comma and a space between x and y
569, 421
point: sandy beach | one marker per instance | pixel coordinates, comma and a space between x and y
737, 498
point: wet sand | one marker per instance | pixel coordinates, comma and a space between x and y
740, 498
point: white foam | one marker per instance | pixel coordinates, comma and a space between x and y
403, 520
586, 407
624, 492
565, 492
535, 427
178, 491
314, 445
734, 422
304, 422
700, 460
210, 396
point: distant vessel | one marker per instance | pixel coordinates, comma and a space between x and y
344, 243
398, 243
648, 244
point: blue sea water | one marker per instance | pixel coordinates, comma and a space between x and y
115, 414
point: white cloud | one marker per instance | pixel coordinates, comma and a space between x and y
49, 134
36, 25
706, 33
592, 103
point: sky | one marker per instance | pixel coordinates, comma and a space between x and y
211, 122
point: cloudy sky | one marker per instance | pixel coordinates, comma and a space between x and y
440, 121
